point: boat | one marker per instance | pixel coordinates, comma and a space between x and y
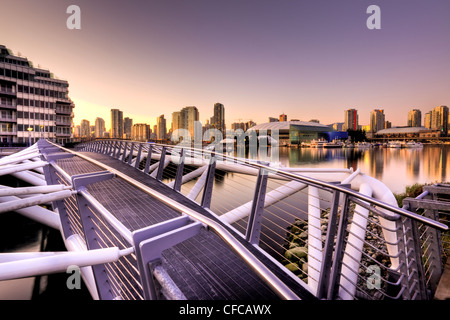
225, 145
318, 143
349, 145
333, 144
413, 144
305, 145
363, 145
394, 144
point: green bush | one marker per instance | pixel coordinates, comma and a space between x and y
410, 192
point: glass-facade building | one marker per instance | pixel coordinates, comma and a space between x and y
33, 104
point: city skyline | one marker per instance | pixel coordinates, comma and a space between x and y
260, 59
377, 121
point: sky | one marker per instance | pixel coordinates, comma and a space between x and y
259, 58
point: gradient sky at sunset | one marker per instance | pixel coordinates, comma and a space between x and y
308, 59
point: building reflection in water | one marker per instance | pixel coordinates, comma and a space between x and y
397, 168
413, 162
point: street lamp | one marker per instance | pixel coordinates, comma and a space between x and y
29, 135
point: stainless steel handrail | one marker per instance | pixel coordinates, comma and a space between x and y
323, 184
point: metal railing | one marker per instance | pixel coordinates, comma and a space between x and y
433, 244
336, 242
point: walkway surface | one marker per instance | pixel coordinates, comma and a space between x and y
203, 267
443, 289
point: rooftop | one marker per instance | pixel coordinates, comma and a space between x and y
402, 130
284, 125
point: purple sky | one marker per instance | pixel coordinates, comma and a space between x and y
307, 59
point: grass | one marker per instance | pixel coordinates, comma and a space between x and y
410, 192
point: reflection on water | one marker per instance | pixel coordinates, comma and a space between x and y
18, 234
396, 168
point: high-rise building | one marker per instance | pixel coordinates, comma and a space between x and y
176, 124
337, 126
415, 118
188, 117
427, 120
176, 120
439, 119
116, 124
140, 132
33, 104
218, 121
377, 120
99, 128
77, 131
85, 129
350, 120
161, 127
272, 119
127, 125
283, 117
238, 125
249, 124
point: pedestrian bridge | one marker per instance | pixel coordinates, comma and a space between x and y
153, 221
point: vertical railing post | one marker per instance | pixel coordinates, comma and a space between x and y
325, 272
111, 148
138, 157
104, 146
51, 178
107, 147
125, 148
180, 169
150, 242
207, 191
149, 159
90, 229
118, 147
435, 250
114, 145
413, 253
130, 157
402, 256
418, 265
162, 159
339, 250
254, 221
